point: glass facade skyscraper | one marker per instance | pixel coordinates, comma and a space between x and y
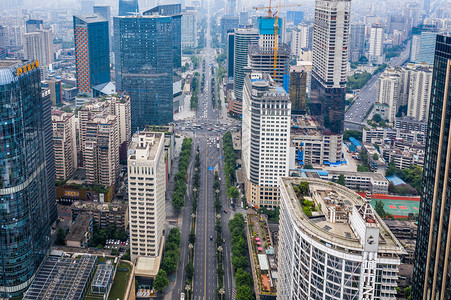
175, 12
432, 271
92, 51
27, 196
144, 68
128, 7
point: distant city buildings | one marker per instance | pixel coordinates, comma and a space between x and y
376, 51
38, 45
423, 45
357, 41
265, 139
431, 272
128, 7
92, 52
227, 23
26, 176
325, 224
146, 191
189, 29
301, 38
144, 68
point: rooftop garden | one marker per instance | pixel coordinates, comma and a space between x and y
302, 190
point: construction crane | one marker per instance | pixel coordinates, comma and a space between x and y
276, 29
270, 7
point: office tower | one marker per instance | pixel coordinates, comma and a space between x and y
230, 8
426, 47
38, 45
376, 51
411, 11
396, 22
261, 60
295, 16
328, 78
16, 36
419, 92
344, 252
189, 29
34, 25
175, 12
357, 42
298, 90
86, 6
265, 139
105, 12
56, 91
432, 272
128, 7
230, 53
227, 23
143, 68
300, 38
64, 144
388, 91
120, 107
243, 37
244, 18
146, 167
92, 52
101, 152
28, 205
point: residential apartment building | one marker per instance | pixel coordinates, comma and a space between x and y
376, 51
101, 155
388, 91
39, 46
341, 250
64, 144
104, 214
357, 41
146, 191
189, 29
419, 91
301, 39
265, 139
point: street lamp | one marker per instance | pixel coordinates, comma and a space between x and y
217, 191
222, 292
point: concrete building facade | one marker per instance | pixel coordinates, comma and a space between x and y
64, 144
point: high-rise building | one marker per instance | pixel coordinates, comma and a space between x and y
389, 91
357, 41
300, 38
120, 107
376, 51
243, 37
175, 12
419, 92
128, 7
335, 247
230, 9
143, 68
426, 47
101, 152
262, 61
189, 29
295, 16
227, 23
38, 45
432, 272
230, 53
92, 52
265, 139
28, 204
330, 60
244, 18
298, 90
105, 12
56, 91
33, 25
16, 36
64, 144
146, 168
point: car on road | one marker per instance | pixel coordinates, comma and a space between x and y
211, 237
225, 211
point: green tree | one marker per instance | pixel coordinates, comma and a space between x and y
308, 167
391, 170
377, 118
170, 261
192, 237
375, 156
239, 262
60, 236
352, 133
161, 281
341, 180
379, 207
243, 278
233, 192
244, 293
189, 270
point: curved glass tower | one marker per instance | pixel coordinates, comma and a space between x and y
128, 7
27, 207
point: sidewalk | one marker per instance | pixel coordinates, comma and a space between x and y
186, 112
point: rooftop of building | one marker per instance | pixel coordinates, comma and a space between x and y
61, 276
79, 228
96, 206
324, 212
144, 145
91, 18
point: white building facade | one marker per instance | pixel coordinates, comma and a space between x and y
376, 51
346, 252
146, 191
388, 91
265, 139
